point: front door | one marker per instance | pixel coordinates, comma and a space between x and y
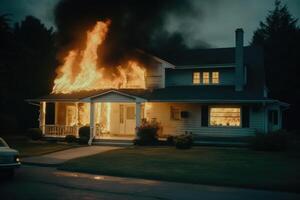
127, 119
70, 115
273, 120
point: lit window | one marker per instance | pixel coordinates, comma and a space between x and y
175, 113
215, 77
205, 77
225, 116
196, 78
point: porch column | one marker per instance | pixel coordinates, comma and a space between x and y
42, 117
76, 119
92, 123
138, 120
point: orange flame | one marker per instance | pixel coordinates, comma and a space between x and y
91, 76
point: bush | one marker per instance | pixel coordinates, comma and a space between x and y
35, 133
84, 134
70, 139
170, 140
274, 141
184, 141
147, 133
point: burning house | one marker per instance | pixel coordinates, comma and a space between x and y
209, 92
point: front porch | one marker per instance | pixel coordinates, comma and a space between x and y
109, 116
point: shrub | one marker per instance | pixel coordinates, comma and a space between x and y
274, 141
70, 139
35, 133
184, 141
170, 140
147, 133
84, 134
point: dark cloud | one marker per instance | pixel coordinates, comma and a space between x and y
213, 21
220, 18
19, 9
135, 24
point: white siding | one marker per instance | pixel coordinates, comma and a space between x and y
178, 77
161, 111
155, 77
257, 118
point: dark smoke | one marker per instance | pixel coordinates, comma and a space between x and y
136, 24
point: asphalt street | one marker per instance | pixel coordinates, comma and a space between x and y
32, 182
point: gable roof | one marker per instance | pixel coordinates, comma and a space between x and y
212, 56
254, 89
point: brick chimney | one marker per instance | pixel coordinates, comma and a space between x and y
239, 60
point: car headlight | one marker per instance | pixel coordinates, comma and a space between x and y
17, 159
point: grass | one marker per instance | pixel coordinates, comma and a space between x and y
28, 148
200, 165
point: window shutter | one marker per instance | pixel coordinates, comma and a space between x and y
204, 116
50, 113
245, 117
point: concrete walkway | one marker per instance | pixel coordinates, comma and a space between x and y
59, 157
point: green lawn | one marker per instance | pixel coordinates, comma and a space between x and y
202, 165
27, 149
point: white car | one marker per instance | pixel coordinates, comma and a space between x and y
9, 159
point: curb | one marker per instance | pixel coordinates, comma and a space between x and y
40, 164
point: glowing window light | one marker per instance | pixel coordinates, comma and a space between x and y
229, 116
205, 77
215, 78
196, 78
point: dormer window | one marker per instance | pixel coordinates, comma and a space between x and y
215, 78
205, 77
196, 78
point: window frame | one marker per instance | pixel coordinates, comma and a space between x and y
203, 78
213, 78
179, 113
224, 106
194, 78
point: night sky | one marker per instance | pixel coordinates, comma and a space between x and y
215, 23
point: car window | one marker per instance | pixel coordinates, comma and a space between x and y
2, 143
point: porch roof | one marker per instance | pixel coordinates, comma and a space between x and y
175, 93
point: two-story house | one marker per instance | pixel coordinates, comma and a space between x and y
209, 92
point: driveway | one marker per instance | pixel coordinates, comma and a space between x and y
34, 182
59, 157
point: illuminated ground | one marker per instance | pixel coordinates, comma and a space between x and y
237, 167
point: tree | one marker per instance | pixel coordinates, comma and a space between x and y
27, 66
280, 37
34, 67
7, 56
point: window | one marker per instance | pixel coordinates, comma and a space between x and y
215, 77
130, 112
225, 116
2, 143
205, 77
175, 113
196, 78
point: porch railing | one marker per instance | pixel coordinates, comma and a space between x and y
60, 130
